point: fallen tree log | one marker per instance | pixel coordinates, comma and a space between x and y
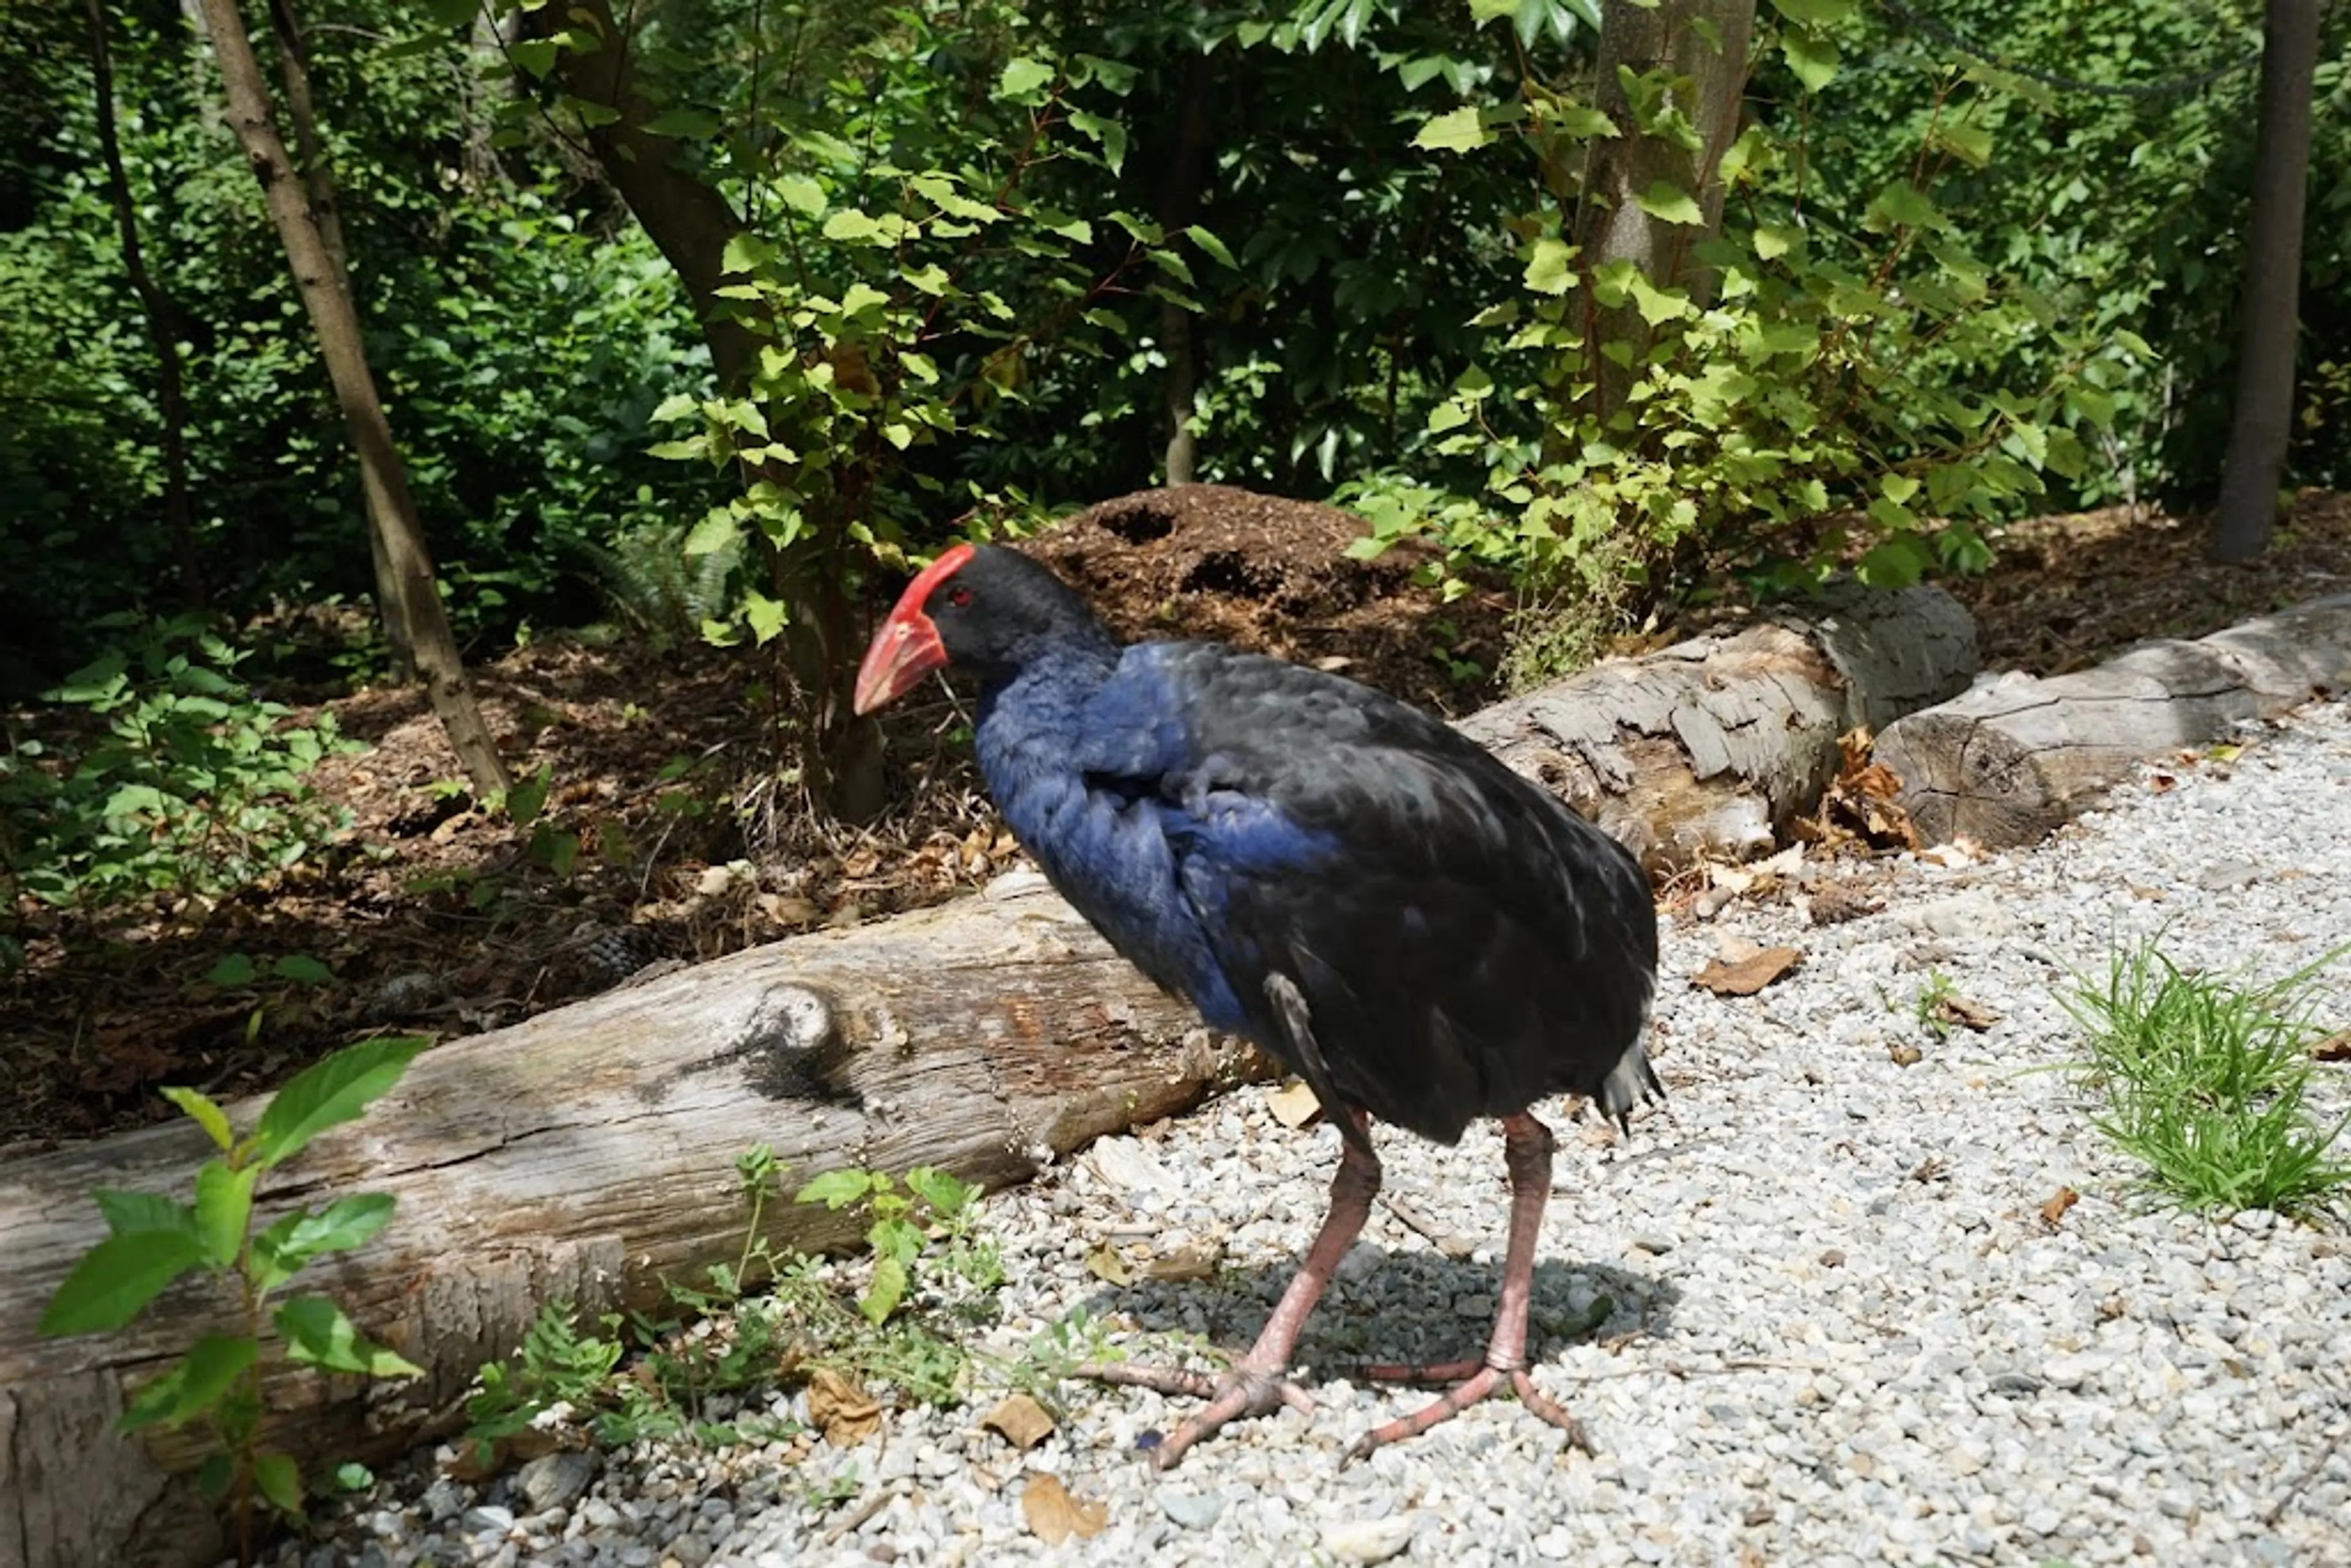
1710, 747
587, 1153
2014, 759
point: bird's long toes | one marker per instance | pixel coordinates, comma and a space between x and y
1482, 1382
1165, 1379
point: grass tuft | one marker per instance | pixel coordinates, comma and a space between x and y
2204, 1083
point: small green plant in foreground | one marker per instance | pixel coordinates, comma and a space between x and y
763, 1318
2204, 1081
153, 1240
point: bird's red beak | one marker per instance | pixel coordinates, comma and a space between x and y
906, 645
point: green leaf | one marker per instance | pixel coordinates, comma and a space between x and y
236, 969
528, 797
765, 616
1774, 241
195, 1383
1583, 121
330, 1093
301, 967
317, 1333
1657, 305
223, 1207
719, 529
800, 194
118, 1277
130, 1213
1212, 244
1971, 144
201, 1109
1898, 487
1668, 203
1022, 80
1813, 12
946, 1193
851, 226
837, 1189
278, 1477
1107, 134
1904, 204
1813, 59
1896, 562
688, 124
889, 1288
1551, 265
293, 1239
535, 56
1484, 11
1457, 131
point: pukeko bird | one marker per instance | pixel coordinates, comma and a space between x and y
1421, 935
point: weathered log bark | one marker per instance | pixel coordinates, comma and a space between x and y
587, 1153
2015, 758
1711, 745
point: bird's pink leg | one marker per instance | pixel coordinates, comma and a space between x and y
1526, 1152
1257, 1382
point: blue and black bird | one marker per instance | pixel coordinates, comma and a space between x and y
1421, 935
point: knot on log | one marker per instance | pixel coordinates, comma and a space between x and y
793, 1048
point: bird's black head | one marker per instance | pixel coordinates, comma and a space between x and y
981, 608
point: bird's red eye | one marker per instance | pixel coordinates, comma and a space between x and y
958, 597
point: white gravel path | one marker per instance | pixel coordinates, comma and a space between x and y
1843, 1331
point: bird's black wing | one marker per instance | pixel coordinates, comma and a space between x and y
1458, 943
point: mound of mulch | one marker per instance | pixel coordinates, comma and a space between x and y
1273, 575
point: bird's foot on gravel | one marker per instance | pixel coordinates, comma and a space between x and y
1234, 1396
1472, 1381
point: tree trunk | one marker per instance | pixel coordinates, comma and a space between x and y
318, 187
325, 287
1704, 42
1187, 172
2263, 428
162, 319
690, 223
2012, 760
1711, 747
588, 1155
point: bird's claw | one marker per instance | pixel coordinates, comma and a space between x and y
1243, 1392
1482, 1382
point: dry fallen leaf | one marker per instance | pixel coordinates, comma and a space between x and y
1747, 976
1054, 1516
2336, 1047
1103, 1264
1021, 1421
845, 1413
1293, 1104
1185, 1263
1965, 1013
2062, 1199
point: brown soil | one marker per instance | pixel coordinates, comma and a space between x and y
438, 917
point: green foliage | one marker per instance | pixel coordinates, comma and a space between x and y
903, 286
1812, 388
764, 1318
153, 1240
2204, 1083
193, 787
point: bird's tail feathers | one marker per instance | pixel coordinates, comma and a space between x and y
1631, 1082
